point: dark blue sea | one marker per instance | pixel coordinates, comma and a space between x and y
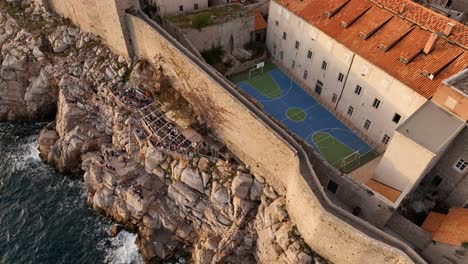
44, 217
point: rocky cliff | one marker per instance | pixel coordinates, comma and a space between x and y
213, 209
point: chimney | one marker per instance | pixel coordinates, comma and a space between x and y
448, 28
402, 9
430, 43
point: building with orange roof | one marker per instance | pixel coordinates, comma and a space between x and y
378, 63
171, 7
451, 228
260, 26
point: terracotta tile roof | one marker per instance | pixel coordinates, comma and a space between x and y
449, 229
384, 190
260, 22
391, 34
432, 222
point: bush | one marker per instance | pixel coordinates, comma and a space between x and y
214, 55
257, 48
464, 244
201, 20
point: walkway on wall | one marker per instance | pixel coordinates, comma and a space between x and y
306, 168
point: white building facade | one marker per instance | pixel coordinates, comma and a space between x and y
171, 7
373, 101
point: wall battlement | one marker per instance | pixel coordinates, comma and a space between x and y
246, 130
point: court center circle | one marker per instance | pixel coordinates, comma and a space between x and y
296, 114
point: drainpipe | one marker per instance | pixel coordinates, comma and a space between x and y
346, 79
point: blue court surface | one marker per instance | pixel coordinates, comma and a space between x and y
321, 129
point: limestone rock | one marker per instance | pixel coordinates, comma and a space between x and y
191, 177
241, 185
37, 52
103, 199
256, 190
48, 138
220, 197
182, 194
153, 158
204, 164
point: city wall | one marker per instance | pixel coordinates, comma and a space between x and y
261, 148
101, 17
247, 131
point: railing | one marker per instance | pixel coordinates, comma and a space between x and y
306, 167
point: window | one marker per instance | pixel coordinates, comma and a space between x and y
358, 89
305, 75
297, 44
332, 186
385, 139
461, 165
396, 118
436, 181
350, 111
340, 77
181, 8
318, 87
367, 124
309, 54
324, 65
376, 103
276, 23
281, 55
195, 6
285, 35
293, 64
334, 98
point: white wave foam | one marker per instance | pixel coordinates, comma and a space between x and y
32, 151
123, 250
29, 154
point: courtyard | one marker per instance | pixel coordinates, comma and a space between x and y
306, 117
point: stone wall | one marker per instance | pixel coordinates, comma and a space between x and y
352, 193
259, 146
410, 231
238, 30
453, 186
101, 17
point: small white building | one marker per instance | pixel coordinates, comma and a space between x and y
170, 7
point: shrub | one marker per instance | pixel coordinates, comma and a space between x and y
464, 244
257, 48
214, 55
201, 20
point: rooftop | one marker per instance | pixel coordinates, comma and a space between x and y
449, 229
260, 22
459, 82
421, 129
209, 16
392, 35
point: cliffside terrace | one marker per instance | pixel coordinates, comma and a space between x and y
152, 124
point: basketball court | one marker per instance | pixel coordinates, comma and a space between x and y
307, 118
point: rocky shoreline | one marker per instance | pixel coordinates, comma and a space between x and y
212, 208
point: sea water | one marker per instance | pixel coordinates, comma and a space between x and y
44, 217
